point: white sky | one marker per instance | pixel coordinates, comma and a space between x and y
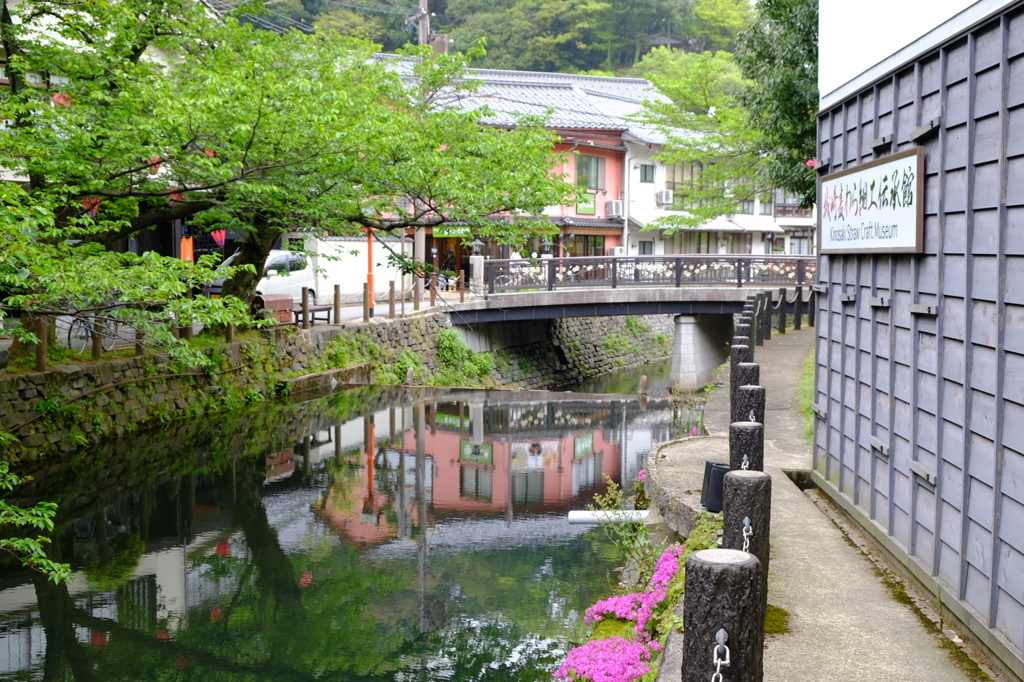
855, 36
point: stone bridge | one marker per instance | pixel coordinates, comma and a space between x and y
703, 292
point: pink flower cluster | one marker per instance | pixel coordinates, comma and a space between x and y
636, 606
641, 475
616, 659
608, 660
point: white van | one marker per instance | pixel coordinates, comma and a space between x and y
284, 273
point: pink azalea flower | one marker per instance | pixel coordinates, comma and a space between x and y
607, 660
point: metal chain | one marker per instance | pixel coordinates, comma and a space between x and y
753, 417
721, 637
746, 463
748, 532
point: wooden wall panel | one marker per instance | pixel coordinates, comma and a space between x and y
943, 390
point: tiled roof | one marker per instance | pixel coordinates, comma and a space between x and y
562, 105
565, 100
576, 101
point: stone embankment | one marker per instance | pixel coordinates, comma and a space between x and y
74, 404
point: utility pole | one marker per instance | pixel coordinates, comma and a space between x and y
424, 36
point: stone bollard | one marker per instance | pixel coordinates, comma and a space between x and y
738, 352
798, 308
643, 385
812, 307
782, 310
140, 339
747, 515
723, 616
745, 331
746, 446
337, 304
748, 403
391, 300
766, 319
229, 337
743, 374
366, 302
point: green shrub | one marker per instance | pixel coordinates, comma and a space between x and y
408, 359
452, 351
636, 326
480, 364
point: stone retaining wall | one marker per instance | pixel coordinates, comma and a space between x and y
72, 405
584, 347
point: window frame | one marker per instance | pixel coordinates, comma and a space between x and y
594, 166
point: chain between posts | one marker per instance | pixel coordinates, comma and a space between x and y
746, 463
753, 417
748, 532
721, 637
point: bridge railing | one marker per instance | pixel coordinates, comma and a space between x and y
548, 274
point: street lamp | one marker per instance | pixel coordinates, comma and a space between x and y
477, 245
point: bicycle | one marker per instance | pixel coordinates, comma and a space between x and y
81, 329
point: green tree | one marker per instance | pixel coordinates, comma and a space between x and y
716, 23
153, 111
708, 131
778, 53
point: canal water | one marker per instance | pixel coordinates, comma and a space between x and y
373, 534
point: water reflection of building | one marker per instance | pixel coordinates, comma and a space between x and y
472, 473
469, 460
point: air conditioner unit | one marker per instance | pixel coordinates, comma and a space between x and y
664, 197
613, 208
617, 251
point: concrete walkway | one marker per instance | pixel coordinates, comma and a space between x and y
844, 623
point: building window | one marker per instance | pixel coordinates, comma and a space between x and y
646, 172
789, 207
743, 192
681, 178
583, 245
766, 201
646, 248
590, 171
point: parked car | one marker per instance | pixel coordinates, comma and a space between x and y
285, 272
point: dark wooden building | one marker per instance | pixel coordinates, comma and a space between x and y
920, 351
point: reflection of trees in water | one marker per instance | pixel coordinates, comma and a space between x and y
329, 614
323, 613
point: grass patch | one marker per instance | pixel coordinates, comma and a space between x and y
957, 655
805, 396
776, 620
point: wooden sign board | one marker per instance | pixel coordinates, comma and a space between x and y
876, 207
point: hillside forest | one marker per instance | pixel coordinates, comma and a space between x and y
576, 36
